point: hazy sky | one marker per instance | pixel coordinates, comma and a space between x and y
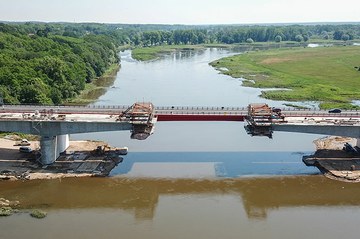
181, 11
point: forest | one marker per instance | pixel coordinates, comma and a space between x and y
49, 63
40, 66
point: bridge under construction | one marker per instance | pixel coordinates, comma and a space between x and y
54, 123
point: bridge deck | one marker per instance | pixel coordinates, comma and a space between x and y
180, 113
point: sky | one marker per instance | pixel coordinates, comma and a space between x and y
190, 12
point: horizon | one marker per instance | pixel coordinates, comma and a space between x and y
184, 12
179, 24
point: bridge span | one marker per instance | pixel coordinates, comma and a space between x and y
55, 123
176, 113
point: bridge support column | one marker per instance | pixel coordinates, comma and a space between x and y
52, 146
358, 142
48, 149
62, 143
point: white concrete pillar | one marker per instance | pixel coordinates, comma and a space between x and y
62, 143
48, 149
358, 142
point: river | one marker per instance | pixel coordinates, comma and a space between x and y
190, 179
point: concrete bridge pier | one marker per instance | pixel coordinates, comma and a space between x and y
52, 146
358, 142
63, 143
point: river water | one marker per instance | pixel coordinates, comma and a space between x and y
190, 179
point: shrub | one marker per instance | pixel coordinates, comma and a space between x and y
38, 214
6, 211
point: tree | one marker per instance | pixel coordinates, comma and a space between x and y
305, 38
35, 92
278, 38
345, 37
326, 36
249, 40
299, 38
338, 34
53, 67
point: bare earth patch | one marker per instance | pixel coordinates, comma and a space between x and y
274, 60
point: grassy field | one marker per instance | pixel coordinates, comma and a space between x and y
324, 74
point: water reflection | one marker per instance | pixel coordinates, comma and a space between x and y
186, 54
95, 93
294, 207
258, 196
202, 165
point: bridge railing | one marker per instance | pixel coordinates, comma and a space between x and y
70, 106
165, 107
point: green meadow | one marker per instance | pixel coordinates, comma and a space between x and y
329, 75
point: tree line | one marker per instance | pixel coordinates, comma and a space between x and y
240, 34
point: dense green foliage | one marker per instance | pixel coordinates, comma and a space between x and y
46, 67
325, 74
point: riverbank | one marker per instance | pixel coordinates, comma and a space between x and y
97, 87
153, 52
298, 69
81, 159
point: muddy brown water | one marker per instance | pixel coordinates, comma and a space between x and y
274, 207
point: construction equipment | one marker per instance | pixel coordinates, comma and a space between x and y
260, 118
259, 115
142, 117
100, 150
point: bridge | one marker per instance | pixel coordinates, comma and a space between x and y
54, 123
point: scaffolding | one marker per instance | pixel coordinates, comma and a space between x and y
142, 117
260, 118
259, 115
